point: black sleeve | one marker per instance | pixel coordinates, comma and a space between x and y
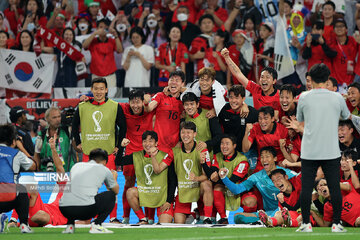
75, 127
125, 160
208, 171
235, 179
253, 115
216, 133
307, 53
121, 123
319, 206
329, 52
172, 183
292, 208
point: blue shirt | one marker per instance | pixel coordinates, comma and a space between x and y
263, 183
268, 9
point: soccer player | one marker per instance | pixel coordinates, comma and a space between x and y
208, 131
264, 93
99, 119
238, 167
350, 205
266, 132
152, 185
350, 168
289, 200
263, 183
287, 102
137, 122
230, 118
41, 214
168, 109
347, 140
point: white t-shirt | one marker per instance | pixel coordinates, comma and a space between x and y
339, 5
137, 75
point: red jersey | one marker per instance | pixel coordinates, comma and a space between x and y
167, 123
260, 99
206, 102
102, 57
345, 53
294, 196
318, 56
262, 139
235, 56
201, 44
350, 208
10, 16
136, 125
329, 34
241, 170
167, 56
219, 12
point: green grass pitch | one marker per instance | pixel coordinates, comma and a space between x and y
184, 234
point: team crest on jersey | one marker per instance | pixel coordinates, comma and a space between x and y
188, 165
148, 170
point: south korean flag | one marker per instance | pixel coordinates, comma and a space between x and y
26, 72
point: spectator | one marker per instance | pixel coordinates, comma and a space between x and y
221, 40
242, 54
347, 139
246, 9
4, 37
11, 162
316, 49
135, 9
66, 75
26, 42
264, 48
189, 32
288, 6
83, 24
344, 62
23, 141
13, 14
93, 10
193, 7
122, 26
34, 15
251, 31
219, 14
137, 60
4, 25
171, 55
328, 15
102, 50
57, 21
43, 153
350, 169
353, 98
201, 52
154, 32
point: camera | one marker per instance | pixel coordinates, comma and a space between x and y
49, 163
67, 116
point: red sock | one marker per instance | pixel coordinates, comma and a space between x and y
274, 221
200, 204
140, 214
126, 206
208, 211
219, 202
150, 213
294, 222
113, 213
214, 212
14, 214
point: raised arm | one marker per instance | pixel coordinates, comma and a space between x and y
234, 69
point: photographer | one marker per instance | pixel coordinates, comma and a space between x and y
43, 155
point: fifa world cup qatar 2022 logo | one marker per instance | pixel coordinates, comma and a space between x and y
188, 165
97, 117
148, 170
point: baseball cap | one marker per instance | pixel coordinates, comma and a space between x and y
16, 112
240, 31
340, 20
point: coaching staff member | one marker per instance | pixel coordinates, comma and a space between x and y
320, 109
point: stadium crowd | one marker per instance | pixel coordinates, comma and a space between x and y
197, 138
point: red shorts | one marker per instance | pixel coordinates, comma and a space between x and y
184, 208
128, 170
255, 194
110, 164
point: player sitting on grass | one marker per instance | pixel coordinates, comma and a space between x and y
289, 200
263, 183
